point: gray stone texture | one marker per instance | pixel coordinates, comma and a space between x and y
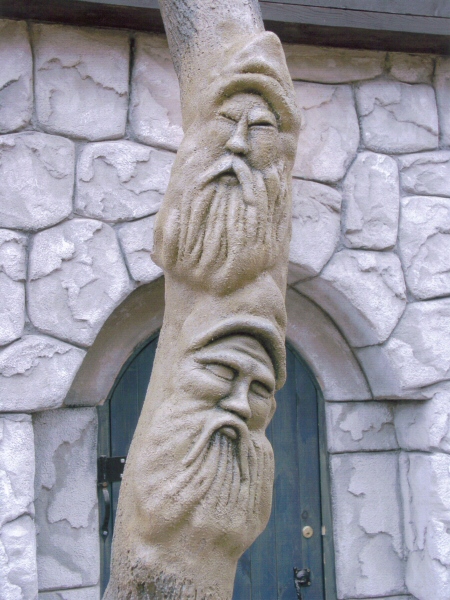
18, 574
16, 72
315, 226
367, 525
67, 539
426, 174
442, 84
77, 277
36, 373
397, 117
136, 240
425, 484
329, 136
155, 110
12, 290
411, 68
81, 81
37, 175
90, 593
363, 292
119, 181
371, 202
332, 65
360, 426
424, 245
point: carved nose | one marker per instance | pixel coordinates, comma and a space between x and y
238, 403
238, 141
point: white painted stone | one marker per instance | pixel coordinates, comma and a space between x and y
332, 65
416, 355
427, 173
81, 81
155, 110
329, 136
90, 593
315, 226
137, 243
424, 244
16, 72
442, 84
66, 498
363, 292
360, 426
117, 181
77, 277
371, 202
411, 68
36, 373
12, 309
37, 175
426, 497
367, 525
18, 576
12, 254
397, 117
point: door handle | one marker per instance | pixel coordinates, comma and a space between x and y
104, 531
302, 578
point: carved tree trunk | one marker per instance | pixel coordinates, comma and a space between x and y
197, 487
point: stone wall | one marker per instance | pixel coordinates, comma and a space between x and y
90, 121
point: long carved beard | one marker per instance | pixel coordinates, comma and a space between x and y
226, 227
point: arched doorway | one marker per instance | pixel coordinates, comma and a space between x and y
298, 535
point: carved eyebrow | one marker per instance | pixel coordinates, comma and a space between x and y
260, 114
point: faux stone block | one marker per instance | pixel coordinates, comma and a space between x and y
442, 84
397, 117
37, 175
329, 136
81, 81
36, 373
360, 426
427, 173
16, 72
155, 110
90, 593
367, 525
426, 497
425, 245
332, 65
66, 498
363, 292
12, 254
371, 202
411, 68
315, 226
137, 244
122, 180
12, 309
77, 277
18, 575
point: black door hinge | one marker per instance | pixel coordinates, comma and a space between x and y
110, 469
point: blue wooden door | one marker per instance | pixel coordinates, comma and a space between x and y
266, 570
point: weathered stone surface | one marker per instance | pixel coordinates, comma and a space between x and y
427, 173
81, 81
137, 243
66, 498
16, 71
37, 175
425, 426
371, 202
315, 226
90, 593
360, 426
424, 244
367, 525
416, 355
77, 276
12, 309
155, 111
426, 498
18, 576
329, 137
411, 68
117, 181
442, 84
16, 467
363, 292
12, 254
397, 117
36, 373
332, 65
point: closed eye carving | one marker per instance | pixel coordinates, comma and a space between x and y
221, 371
260, 389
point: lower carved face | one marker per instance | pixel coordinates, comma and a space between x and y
211, 466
